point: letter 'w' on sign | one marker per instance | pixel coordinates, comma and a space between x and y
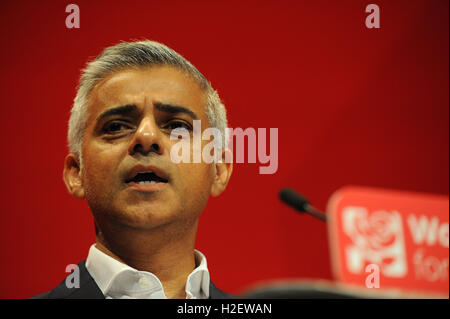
73, 19
373, 19
73, 280
373, 280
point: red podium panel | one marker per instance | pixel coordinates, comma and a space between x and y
390, 240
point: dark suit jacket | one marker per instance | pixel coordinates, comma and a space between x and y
89, 289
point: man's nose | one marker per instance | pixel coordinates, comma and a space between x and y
147, 138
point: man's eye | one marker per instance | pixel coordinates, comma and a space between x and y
179, 124
115, 127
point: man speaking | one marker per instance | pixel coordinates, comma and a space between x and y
145, 206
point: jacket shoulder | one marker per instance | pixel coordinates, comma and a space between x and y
88, 289
216, 293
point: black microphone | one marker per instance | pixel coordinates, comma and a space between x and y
297, 201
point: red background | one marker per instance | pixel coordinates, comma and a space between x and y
353, 106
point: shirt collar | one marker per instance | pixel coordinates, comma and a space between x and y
118, 280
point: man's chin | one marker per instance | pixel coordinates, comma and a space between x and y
145, 218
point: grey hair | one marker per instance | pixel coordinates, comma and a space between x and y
132, 55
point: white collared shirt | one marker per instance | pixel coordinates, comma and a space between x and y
117, 280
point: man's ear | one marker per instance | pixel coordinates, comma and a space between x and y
222, 174
72, 176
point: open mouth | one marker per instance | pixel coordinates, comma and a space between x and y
146, 178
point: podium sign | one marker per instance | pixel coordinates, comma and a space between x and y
390, 240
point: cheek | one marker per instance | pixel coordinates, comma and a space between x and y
100, 165
196, 178
194, 188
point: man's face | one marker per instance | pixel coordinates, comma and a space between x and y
131, 115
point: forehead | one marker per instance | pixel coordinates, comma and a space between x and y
144, 86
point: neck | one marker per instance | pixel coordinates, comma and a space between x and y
165, 252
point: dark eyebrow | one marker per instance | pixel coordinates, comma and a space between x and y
120, 110
174, 109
